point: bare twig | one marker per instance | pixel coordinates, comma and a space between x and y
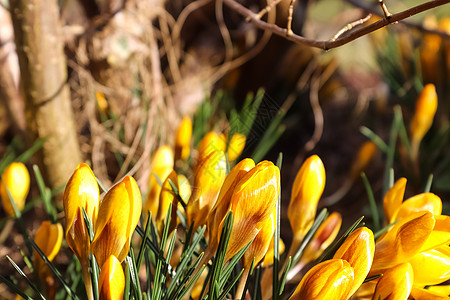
326, 45
266, 9
386, 12
350, 26
289, 19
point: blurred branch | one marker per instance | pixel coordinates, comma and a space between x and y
325, 45
371, 9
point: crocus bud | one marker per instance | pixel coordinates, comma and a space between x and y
211, 142
431, 267
209, 177
111, 280
162, 165
253, 201
426, 107
166, 197
306, 192
183, 139
404, 240
258, 248
393, 199
81, 192
184, 187
358, 249
363, 158
331, 279
236, 146
119, 214
223, 202
396, 283
17, 179
48, 238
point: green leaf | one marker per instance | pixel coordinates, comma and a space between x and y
29, 282
276, 240
14, 288
372, 202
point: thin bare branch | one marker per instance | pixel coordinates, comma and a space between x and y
266, 9
326, 45
386, 12
350, 26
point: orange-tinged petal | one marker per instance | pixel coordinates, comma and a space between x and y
306, 192
119, 214
17, 179
421, 202
431, 267
363, 158
183, 139
395, 284
440, 234
236, 146
111, 280
331, 279
166, 197
253, 201
184, 187
402, 241
426, 107
423, 294
48, 238
268, 259
393, 199
358, 249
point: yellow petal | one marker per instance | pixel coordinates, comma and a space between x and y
166, 197
185, 187
423, 294
17, 179
183, 139
268, 259
253, 201
431, 267
421, 202
393, 199
440, 234
48, 238
210, 142
402, 241
119, 214
111, 280
236, 146
443, 290
331, 279
162, 165
363, 158
426, 107
396, 283
358, 249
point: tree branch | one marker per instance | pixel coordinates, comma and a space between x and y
330, 44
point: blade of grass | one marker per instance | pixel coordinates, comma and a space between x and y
429, 183
29, 282
276, 239
374, 138
14, 288
372, 202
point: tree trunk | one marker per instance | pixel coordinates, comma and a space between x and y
43, 78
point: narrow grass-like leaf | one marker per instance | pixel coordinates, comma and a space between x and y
101, 185
134, 272
429, 183
391, 148
374, 138
190, 284
283, 277
378, 233
247, 281
231, 264
14, 288
227, 288
38, 143
329, 252
276, 239
370, 278
177, 193
94, 275
29, 282
45, 194
144, 243
372, 202
257, 285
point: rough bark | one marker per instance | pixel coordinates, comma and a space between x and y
43, 78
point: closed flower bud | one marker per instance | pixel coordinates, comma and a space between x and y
306, 192
331, 279
48, 238
253, 201
404, 240
166, 197
119, 214
162, 165
236, 146
211, 142
358, 249
396, 283
111, 280
209, 177
81, 192
426, 107
393, 199
17, 179
183, 139
363, 158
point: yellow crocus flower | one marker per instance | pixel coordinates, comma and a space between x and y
211, 142
166, 197
268, 259
111, 280
365, 155
209, 177
393, 199
81, 192
161, 166
426, 107
17, 179
306, 192
422, 202
119, 214
236, 146
252, 202
396, 283
358, 249
184, 188
330, 279
183, 139
431, 267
